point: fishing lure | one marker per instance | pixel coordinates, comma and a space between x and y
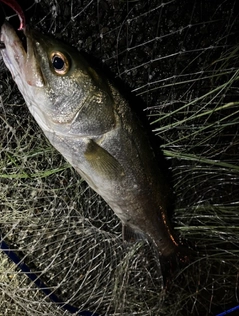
16, 7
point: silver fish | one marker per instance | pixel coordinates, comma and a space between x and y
91, 124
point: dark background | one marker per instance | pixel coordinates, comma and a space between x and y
181, 59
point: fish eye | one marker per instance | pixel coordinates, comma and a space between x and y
60, 63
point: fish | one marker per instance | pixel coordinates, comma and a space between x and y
89, 121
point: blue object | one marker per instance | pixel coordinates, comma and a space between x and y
229, 311
42, 286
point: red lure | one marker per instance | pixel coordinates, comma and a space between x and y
16, 7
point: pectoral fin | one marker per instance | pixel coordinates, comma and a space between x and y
103, 162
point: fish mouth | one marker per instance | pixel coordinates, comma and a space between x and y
18, 55
13, 52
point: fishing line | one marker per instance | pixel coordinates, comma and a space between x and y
40, 284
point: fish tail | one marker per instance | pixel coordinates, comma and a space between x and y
178, 260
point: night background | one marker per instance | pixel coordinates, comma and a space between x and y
180, 61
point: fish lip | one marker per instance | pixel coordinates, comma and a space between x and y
8, 32
20, 60
17, 61
9, 38
13, 52
7, 29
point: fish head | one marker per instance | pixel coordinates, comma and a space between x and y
62, 91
